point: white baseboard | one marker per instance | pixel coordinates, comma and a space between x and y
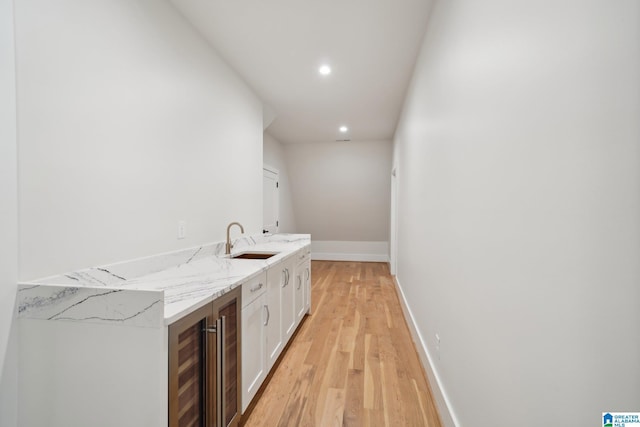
324, 256
447, 416
327, 250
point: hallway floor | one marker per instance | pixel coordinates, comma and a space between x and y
352, 362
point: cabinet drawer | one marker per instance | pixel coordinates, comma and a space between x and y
253, 288
303, 255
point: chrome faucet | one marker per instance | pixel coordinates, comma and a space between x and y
228, 246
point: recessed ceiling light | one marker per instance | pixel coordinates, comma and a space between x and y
343, 129
325, 70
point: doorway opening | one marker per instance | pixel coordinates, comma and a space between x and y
270, 200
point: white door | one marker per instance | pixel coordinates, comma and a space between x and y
273, 322
299, 292
254, 369
307, 286
270, 200
393, 244
288, 300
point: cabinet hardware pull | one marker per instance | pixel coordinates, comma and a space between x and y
221, 374
205, 368
255, 288
299, 282
213, 329
286, 277
308, 274
266, 322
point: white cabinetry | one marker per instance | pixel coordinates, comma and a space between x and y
274, 303
307, 280
307, 287
273, 323
302, 284
280, 308
267, 323
288, 302
299, 295
254, 316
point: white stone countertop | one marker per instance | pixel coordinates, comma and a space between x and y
153, 291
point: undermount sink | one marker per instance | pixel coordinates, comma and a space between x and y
254, 255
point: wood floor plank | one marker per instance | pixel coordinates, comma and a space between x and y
334, 408
353, 362
298, 397
354, 404
358, 354
369, 385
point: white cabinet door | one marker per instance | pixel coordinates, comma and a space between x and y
288, 293
299, 292
307, 286
303, 269
273, 310
254, 369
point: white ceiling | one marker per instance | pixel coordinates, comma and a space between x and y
277, 46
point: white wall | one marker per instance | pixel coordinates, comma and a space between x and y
350, 250
341, 194
519, 206
8, 220
128, 122
274, 156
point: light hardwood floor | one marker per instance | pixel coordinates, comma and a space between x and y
352, 361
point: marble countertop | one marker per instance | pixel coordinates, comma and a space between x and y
153, 291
